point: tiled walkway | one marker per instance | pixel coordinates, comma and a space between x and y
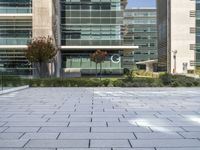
100, 119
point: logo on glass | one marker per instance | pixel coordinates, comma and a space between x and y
116, 58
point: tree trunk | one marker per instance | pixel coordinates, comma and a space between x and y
40, 69
100, 70
36, 70
96, 69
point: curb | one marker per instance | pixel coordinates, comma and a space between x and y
13, 89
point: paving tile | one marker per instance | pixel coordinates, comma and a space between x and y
22, 129
36, 124
64, 129
87, 124
29, 119
166, 129
58, 143
99, 136
105, 119
12, 143
26, 116
120, 129
165, 143
188, 148
41, 136
166, 135
84, 149
3, 128
121, 124
27, 149
2, 123
109, 143
57, 119
191, 128
10, 136
133, 149
190, 134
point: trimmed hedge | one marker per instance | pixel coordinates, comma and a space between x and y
165, 80
179, 81
58, 82
138, 82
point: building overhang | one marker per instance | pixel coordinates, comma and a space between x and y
99, 47
15, 16
13, 46
147, 62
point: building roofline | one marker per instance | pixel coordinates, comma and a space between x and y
140, 8
99, 47
16, 16
13, 46
147, 62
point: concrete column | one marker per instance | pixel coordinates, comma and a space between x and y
42, 18
46, 23
149, 67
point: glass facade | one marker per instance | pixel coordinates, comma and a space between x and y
91, 22
163, 26
82, 60
141, 30
13, 58
15, 6
15, 31
82, 23
198, 33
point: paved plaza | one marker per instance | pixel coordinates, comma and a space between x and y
100, 119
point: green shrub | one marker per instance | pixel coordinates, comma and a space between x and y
175, 84
106, 82
179, 80
118, 83
166, 79
59, 82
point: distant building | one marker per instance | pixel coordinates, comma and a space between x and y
177, 38
141, 30
197, 63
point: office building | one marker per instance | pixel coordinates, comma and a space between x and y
197, 62
78, 27
15, 32
177, 35
90, 25
141, 30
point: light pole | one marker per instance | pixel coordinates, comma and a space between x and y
174, 56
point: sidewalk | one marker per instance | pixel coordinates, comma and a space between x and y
100, 119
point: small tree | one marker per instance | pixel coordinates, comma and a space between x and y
40, 51
98, 57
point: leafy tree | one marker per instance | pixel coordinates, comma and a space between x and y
98, 57
40, 52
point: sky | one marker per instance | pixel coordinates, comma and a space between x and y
141, 3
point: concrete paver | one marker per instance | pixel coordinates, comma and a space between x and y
101, 119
